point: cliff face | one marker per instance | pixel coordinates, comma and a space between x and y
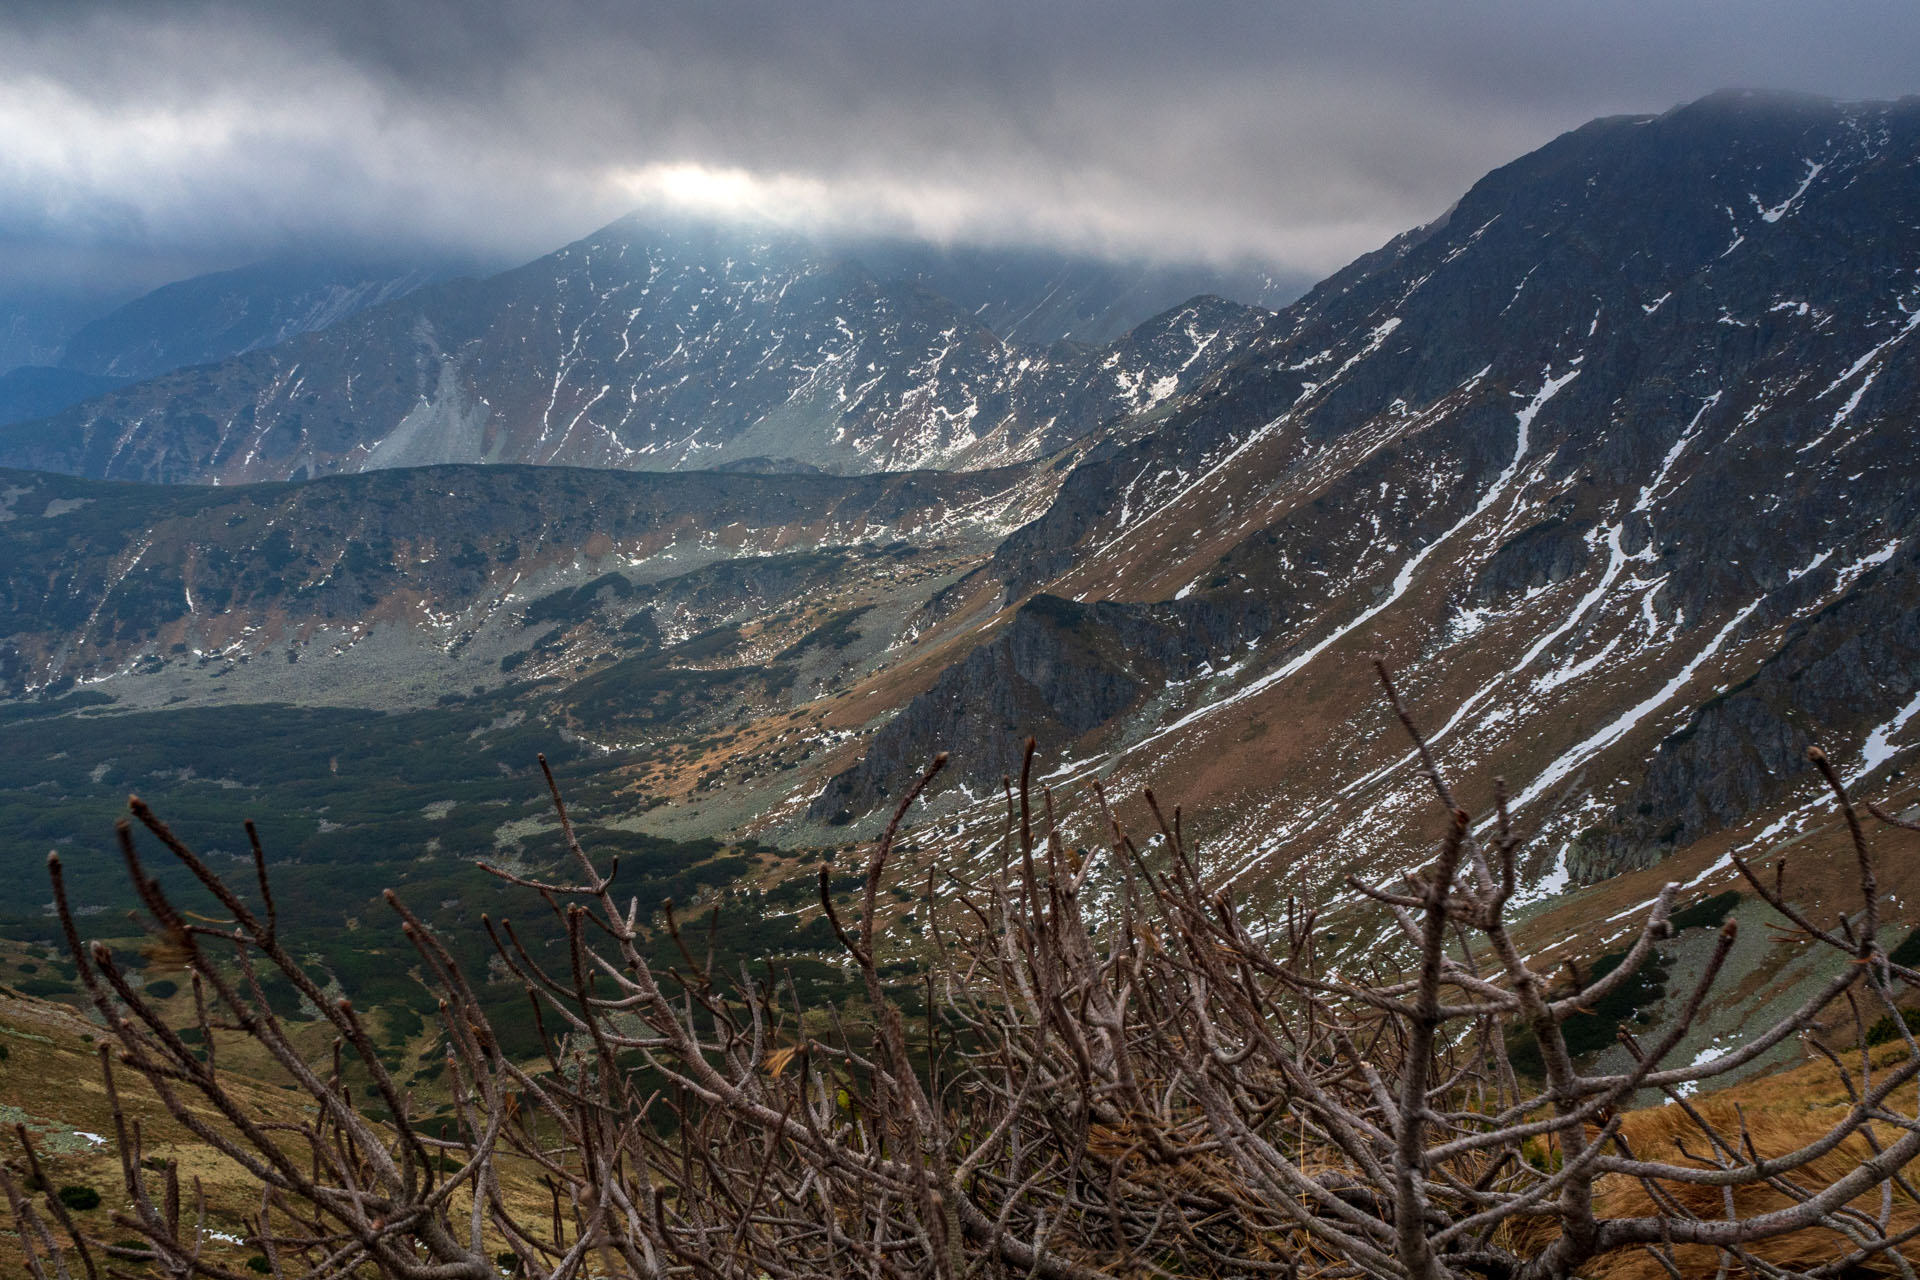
1059, 671
1854, 666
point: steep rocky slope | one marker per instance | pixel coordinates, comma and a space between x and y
1628, 433
649, 349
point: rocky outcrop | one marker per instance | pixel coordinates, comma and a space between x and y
1060, 671
1545, 552
1836, 678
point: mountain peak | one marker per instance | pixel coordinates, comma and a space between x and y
669, 346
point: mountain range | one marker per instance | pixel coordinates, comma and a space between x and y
1612, 465
640, 349
198, 321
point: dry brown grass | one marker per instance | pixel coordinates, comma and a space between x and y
51, 1082
1783, 1112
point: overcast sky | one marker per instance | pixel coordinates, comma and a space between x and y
150, 139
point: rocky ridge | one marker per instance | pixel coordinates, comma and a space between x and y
641, 348
460, 575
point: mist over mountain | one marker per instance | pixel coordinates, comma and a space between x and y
227, 313
62, 354
38, 391
1038, 297
36, 320
1628, 432
651, 347
1613, 465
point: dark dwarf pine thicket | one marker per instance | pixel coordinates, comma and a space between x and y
1095, 1066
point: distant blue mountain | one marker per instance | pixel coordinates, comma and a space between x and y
226, 313
37, 319
52, 355
37, 391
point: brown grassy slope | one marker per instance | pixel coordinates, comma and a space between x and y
1783, 1112
51, 1083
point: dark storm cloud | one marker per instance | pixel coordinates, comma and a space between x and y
1299, 134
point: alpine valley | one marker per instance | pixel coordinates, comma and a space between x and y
1614, 465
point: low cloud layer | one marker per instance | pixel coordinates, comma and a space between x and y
147, 137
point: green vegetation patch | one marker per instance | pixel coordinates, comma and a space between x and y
1886, 1031
1599, 1027
577, 604
78, 1197
1908, 952
1708, 912
836, 633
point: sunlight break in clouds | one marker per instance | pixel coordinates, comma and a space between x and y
1296, 136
